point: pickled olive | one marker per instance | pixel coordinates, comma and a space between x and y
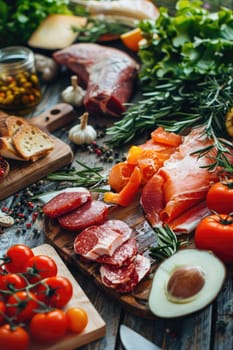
19, 84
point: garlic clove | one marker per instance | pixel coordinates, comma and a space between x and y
82, 133
73, 94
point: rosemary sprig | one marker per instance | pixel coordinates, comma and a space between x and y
95, 28
87, 176
167, 243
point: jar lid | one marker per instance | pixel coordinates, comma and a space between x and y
14, 57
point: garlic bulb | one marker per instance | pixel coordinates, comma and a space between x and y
73, 94
82, 133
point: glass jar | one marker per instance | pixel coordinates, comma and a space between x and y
19, 83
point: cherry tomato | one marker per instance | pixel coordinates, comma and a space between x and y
2, 312
220, 197
215, 233
48, 327
17, 257
22, 306
13, 338
55, 291
41, 266
77, 319
11, 283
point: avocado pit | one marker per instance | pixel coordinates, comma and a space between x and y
185, 283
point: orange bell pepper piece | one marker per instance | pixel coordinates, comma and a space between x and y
119, 175
127, 194
160, 135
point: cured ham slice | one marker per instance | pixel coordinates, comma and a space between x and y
91, 213
122, 256
95, 241
187, 222
66, 202
180, 184
108, 73
125, 279
119, 226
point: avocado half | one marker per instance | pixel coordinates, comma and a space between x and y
186, 282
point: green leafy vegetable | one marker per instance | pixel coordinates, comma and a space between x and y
186, 76
18, 19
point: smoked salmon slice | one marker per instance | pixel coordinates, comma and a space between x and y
180, 184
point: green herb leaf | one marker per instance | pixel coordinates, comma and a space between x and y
87, 176
167, 243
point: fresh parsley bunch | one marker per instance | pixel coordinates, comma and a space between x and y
188, 46
186, 78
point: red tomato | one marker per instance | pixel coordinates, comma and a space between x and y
41, 266
22, 306
17, 257
13, 338
55, 291
2, 312
77, 319
215, 233
220, 197
48, 327
11, 283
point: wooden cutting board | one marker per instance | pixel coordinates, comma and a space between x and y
95, 328
135, 302
23, 174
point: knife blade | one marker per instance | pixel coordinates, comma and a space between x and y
132, 340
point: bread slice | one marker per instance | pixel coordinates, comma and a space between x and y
13, 124
8, 150
55, 32
9, 124
32, 143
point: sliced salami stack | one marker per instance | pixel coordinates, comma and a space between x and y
76, 210
110, 243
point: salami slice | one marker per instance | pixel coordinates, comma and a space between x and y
122, 256
125, 279
91, 213
66, 202
112, 276
142, 268
95, 241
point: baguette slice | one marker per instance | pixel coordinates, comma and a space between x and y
8, 150
9, 124
32, 143
13, 124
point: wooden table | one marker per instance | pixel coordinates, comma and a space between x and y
210, 329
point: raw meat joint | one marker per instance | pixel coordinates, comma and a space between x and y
108, 74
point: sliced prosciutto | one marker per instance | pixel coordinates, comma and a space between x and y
108, 74
125, 279
119, 226
91, 213
180, 184
122, 256
66, 202
96, 241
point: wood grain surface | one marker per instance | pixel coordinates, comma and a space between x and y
95, 328
22, 173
